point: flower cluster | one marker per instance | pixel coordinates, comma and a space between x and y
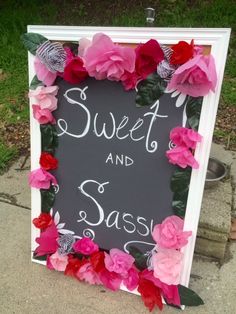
185, 140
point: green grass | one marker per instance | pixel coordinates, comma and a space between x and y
6, 155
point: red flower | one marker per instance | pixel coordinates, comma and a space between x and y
182, 52
148, 56
43, 221
129, 80
97, 261
73, 266
75, 71
150, 294
47, 161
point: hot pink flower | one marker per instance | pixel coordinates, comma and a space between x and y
43, 116
75, 71
129, 80
58, 262
132, 279
118, 261
43, 74
185, 137
85, 246
45, 97
104, 59
41, 179
47, 241
110, 280
182, 157
169, 234
87, 274
167, 265
195, 77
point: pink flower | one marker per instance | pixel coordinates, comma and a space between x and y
41, 179
182, 157
132, 279
45, 97
110, 280
185, 137
84, 44
47, 241
58, 262
167, 265
87, 274
129, 80
104, 59
118, 261
43, 116
85, 246
43, 74
169, 234
195, 77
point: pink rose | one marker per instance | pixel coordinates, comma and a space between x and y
195, 77
45, 97
182, 157
87, 274
75, 71
167, 266
85, 246
43, 74
185, 137
110, 280
43, 116
84, 44
47, 241
58, 262
118, 262
169, 234
41, 179
132, 279
104, 59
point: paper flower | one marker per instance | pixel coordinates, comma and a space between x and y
185, 137
132, 279
118, 261
42, 221
85, 246
43, 116
104, 59
41, 179
182, 52
74, 71
148, 56
45, 97
129, 80
110, 280
169, 234
165, 70
65, 242
58, 261
195, 77
43, 74
73, 266
47, 241
47, 161
182, 157
167, 265
150, 294
87, 274
97, 261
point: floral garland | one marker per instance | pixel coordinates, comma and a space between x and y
151, 68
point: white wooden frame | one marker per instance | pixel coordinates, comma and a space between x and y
218, 39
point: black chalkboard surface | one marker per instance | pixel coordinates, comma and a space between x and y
113, 175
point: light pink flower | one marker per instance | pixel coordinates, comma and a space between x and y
169, 234
47, 241
85, 246
84, 44
41, 179
110, 280
118, 261
58, 261
43, 116
87, 274
167, 265
45, 97
185, 137
132, 279
104, 59
43, 74
182, 157
195, 77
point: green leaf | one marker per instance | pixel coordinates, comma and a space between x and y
35, 83
140, 258
31, 41
149, 90
180, 179
193, 111
188, 297
179, 203
49, 138
47, 199
40, 258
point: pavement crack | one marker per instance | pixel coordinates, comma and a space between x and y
11, 200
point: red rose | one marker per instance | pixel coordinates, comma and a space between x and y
73, 266
182, 52
43, 221
150, 294
129, 80
148, 56
75, 71
47, 161
97, 261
